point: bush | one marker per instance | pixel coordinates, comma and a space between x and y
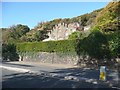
96, 47
9, 52
93, 44
114, 43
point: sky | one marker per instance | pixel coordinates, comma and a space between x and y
31, 13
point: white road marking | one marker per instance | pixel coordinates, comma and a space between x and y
15, 69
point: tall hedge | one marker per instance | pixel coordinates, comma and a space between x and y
97, 45
49, 46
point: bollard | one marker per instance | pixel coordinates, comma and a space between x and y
102, 73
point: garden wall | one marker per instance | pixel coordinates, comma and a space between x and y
53, 58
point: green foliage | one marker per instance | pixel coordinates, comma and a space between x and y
5, 35
114, 43
95, 46
50, 46
110, 12
110, 26
9, 52
34, 36
47, 25
74, 35
41, 35
108, 19
87, 19
13, 33
78, 35
108, 23
29, 37
18, 31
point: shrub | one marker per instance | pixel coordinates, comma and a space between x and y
114, 43
9, 52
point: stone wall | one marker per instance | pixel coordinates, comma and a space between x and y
62, 31
53, 58
66, 58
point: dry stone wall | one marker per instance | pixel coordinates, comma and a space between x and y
53, 58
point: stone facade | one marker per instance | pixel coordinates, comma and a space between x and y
62, 31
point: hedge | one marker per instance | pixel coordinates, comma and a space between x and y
97, 45
49, 46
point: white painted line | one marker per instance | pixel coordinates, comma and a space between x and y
15, 69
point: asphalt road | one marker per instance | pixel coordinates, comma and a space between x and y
17, 79
30, 66
13, 79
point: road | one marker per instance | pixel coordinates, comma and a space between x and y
13, 79
50, 77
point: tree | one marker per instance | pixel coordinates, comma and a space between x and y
41, 35
14, 33
96, 47
5, 35
9, 52
18, 31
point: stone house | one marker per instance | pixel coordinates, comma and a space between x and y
62, 31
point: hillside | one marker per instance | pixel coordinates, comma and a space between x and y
56, 30
106, 19
85, 20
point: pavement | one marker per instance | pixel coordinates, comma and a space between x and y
62, 73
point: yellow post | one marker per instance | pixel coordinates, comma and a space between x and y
102, 73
